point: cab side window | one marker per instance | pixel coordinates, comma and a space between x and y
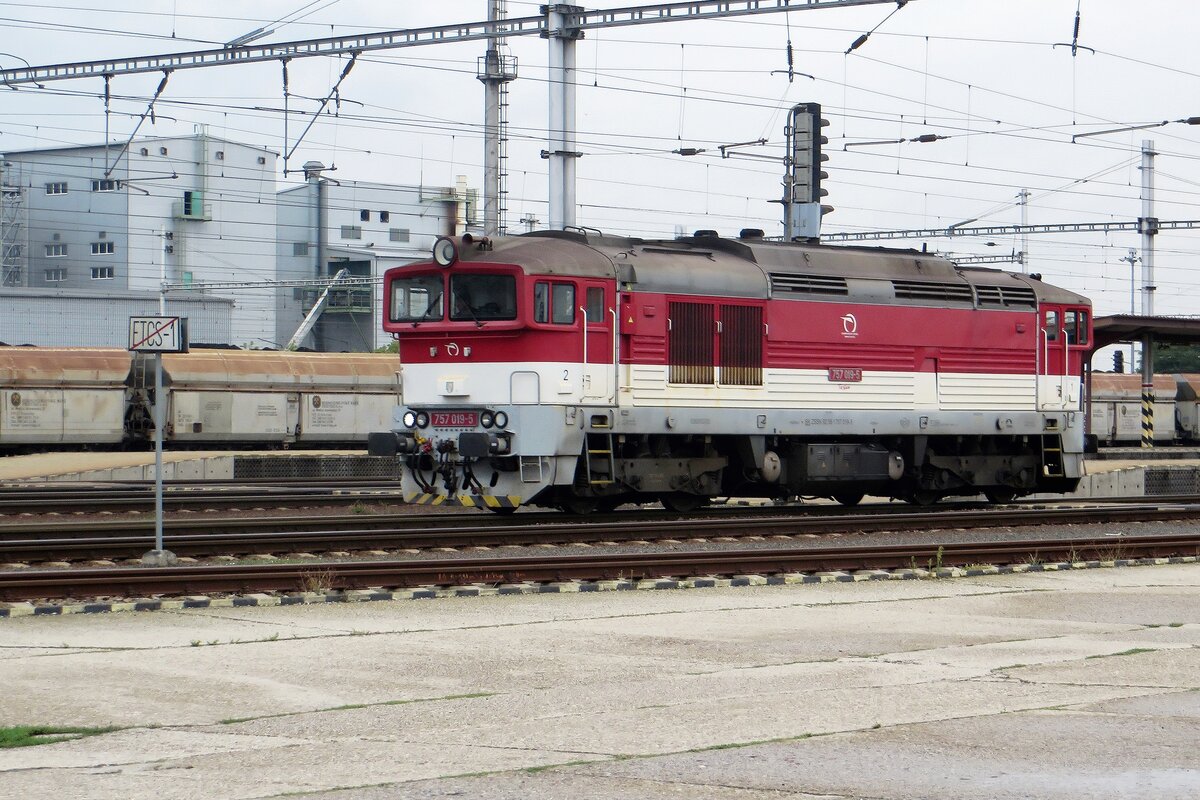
1076, 325
562, 307
554, 302
1052, 325
595, 305
541, 302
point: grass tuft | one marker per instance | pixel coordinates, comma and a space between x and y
31, 735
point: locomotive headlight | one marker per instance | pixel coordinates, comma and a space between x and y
422, 419
487, 419
409, 419
501, 419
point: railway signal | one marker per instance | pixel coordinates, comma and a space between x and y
802, 181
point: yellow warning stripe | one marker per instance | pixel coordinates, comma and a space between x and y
467, 500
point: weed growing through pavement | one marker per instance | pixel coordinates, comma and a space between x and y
30, 735
1133, 651
936, 562
318, 581
358, 508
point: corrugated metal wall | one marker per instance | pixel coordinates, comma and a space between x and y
65, 319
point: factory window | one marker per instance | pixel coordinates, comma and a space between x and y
57, 187
145, 151
102, 273
219, 155
299, 248
103, 248
385, 216
56, 250
104, 185
56, 275
364, 215
262, 159
162, 151
398, 234
351, 231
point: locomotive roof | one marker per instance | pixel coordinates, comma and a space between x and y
755, 268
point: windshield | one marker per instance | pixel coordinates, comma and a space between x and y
416, 298
483, 297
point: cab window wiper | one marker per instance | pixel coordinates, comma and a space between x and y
432, 303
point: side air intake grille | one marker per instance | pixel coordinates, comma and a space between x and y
921, 292
783, 283
1006, 296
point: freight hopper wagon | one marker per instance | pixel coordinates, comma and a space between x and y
53, 396
255, 397
584, 371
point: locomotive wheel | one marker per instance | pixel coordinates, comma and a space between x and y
579, 505
849, 498
923, 497
681, 502
1000, 495
503, 511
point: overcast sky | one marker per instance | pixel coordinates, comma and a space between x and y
997, 77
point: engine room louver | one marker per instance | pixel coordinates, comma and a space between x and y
784, 283
1006, 296
690, 343
922, 292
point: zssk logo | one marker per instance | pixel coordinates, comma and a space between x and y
849, 326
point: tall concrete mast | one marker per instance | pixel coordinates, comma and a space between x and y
495, 69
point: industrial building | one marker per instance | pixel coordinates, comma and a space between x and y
90, 235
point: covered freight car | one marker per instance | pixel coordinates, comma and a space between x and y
60, 395
1116, 408
226, 396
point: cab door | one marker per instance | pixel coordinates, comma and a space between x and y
1065, 340
597, 318
1053, 366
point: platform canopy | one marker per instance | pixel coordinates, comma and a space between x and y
1130, 328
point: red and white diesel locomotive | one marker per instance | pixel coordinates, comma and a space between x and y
582, 371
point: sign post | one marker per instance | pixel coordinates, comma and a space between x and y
158, 335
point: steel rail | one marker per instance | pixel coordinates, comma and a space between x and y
54, 541
82, 502
137, 582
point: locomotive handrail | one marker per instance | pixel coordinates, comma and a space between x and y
583, 380
616, 352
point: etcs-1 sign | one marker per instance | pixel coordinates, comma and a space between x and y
158, 334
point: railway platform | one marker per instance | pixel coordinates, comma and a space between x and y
1055, 685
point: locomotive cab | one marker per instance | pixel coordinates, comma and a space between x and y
488, 345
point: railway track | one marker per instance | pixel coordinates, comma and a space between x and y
91, 499
625, 567
123, 539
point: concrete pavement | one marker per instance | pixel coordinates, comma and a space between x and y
1071, 684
